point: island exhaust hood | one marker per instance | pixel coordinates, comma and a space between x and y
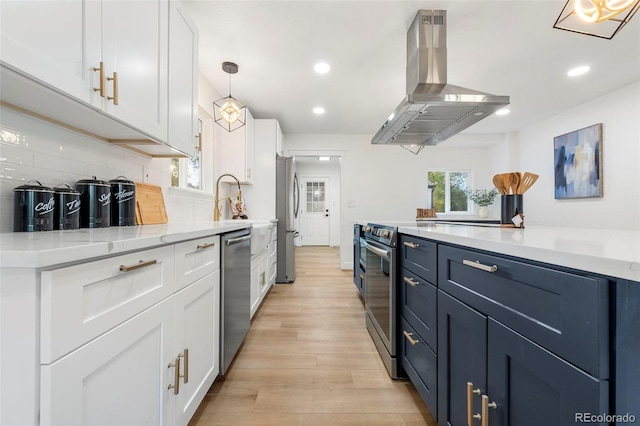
433, 110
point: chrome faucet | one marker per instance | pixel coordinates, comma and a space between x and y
216, 207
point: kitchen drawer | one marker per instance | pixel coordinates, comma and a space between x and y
421, 365
419, 256
418, 302
79, 303
195, 259
564, 312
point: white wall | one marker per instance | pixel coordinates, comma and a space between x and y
332, 171
620, 205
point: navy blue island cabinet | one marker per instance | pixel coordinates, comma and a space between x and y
496, 340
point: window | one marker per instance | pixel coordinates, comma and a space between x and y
197, 173
449, 191
186, 172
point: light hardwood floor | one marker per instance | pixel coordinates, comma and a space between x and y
309, 360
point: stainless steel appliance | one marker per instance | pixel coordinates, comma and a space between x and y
380, 243
433, 110
235, 294
287, 207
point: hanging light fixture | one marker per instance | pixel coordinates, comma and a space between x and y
229, 112
414, 149
598, 18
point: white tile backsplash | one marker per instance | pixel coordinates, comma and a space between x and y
31, 149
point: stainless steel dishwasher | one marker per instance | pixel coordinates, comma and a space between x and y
235, 294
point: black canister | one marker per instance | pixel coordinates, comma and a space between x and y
33, 207
123, 206
511, 206
67, 212
95, 203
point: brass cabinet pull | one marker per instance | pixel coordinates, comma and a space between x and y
100, 89
470, 392
485, 409
362, 276
480, 266
410, 338
411, 245
138, 265
185, 355
199, 138
114, 98
205, 245
176, 377
411, 282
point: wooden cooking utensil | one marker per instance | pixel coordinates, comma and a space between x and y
497, 182
527, 181
506, 182
514, 182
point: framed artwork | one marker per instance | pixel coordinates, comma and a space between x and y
577, 158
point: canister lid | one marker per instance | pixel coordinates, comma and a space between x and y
33, 185
121, 180
93, 181
66, 189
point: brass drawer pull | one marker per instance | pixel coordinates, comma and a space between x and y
480, 266
185, 355
138, 265
410, 338
114, 98
176, 377
411, 282
470, 392
411, 245
362, 277
205, 245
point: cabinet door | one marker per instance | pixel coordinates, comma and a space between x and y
234, 152
135, 45
55, 42
120, 378
198, 331
533, 387
462, 358
183, 80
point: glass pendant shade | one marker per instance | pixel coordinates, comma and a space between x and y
598, 18
230, 113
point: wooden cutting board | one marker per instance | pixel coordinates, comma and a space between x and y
150, 209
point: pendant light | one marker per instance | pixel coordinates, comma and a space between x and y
228, 112
598, 18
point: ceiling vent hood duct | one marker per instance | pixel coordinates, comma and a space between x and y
433, 110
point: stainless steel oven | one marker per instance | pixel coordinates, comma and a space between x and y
380, 297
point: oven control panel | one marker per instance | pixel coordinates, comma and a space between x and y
384, 234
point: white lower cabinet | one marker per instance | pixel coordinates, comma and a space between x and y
197, 336
120, 378
154, 366
258, 280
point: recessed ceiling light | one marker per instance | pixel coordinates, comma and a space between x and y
318, 110
324, 158
322, 68
578, 71
502, 111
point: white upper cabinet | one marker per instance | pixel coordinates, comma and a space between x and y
134, 53
33, 33
234, 152
183, 80
103, 67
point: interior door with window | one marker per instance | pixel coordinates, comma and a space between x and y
314, 211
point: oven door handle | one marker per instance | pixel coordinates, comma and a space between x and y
376, 250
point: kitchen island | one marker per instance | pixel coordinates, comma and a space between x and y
525, 326
98, 326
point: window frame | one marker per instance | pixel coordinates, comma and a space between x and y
447, 190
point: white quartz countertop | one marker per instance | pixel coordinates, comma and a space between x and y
42, 249
614, 253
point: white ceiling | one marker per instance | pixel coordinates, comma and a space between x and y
499, 47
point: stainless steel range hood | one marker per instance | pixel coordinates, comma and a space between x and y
433, 110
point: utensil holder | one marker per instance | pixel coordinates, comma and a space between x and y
511, 205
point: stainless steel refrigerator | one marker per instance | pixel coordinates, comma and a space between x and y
287, 207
